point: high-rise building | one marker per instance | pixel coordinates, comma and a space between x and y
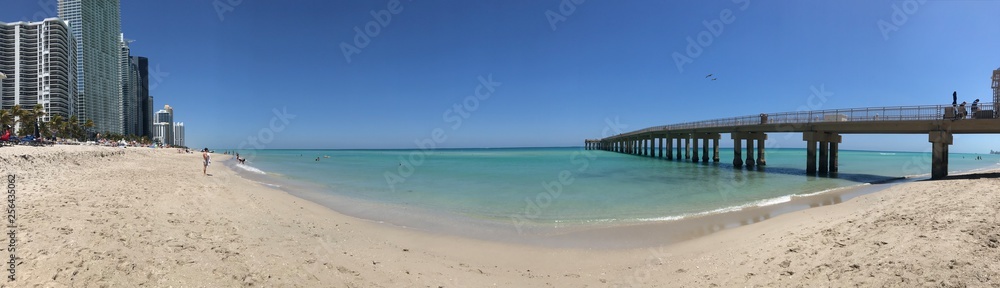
166, 118
39, 61
161, 131
149, 117
996, 86
131, 102
179, 134
145, 121
96, 26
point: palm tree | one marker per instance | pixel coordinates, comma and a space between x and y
5, 119
27, 125
37, 113
73, 127
88, 125
16, 113
58, 126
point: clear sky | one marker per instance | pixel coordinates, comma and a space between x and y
225, 68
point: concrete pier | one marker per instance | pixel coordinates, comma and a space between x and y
694, 149
652, 145
737, 151
821, 130
704, 150
660, 153
940, 140
715, 149
827, 143
750, 138
704, 138
642, 147
687, 147
760, 150
833, 157
669, 147
824, 157
678, 148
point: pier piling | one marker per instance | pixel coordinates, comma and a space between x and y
939, 159
694, 150
704, 150
737, 151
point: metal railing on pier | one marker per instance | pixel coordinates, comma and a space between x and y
894, 113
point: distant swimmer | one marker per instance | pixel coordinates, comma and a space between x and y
317, 158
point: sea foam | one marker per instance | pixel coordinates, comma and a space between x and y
249, 168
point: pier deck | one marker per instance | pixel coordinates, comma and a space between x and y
820, 129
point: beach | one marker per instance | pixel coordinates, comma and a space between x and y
96, 216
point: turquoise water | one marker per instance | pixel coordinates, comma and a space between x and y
567, 186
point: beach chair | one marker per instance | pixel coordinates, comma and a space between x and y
29, 140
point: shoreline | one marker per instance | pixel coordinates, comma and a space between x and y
588, 235
148, 218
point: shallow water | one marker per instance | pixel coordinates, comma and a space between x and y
564, 187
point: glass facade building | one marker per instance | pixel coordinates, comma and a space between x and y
96, 27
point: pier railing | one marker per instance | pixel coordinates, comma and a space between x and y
892, 113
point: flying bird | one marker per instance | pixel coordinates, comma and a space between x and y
713, 79
709, 75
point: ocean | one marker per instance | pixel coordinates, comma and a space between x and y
532, 189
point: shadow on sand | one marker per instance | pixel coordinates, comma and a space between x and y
989, 175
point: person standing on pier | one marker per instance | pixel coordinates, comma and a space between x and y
954, 98
975, 108
961, 111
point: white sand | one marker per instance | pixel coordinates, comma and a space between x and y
91, 216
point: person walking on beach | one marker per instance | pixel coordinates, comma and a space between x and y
208, 159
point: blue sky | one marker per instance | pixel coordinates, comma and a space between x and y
225, 73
